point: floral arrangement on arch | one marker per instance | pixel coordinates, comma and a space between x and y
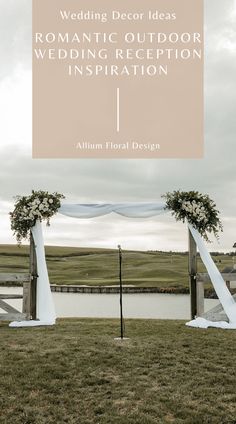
40, 205
197, 209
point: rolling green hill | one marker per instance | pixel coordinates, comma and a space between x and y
91, 266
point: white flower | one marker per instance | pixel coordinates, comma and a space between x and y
37, 213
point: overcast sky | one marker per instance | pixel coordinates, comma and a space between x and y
119, 180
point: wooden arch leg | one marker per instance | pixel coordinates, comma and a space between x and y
192, 269
34, 275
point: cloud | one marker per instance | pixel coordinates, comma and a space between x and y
119, 180
15, 35
16, 109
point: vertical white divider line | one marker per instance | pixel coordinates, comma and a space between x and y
118, 109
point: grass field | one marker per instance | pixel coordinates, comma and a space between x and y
70, 265
76, 373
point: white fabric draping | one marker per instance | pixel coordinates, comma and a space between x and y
130, 210
224, 295
204, 323
45, 307
45, 310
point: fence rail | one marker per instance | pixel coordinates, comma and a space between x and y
204, 277
12, 314
14, 278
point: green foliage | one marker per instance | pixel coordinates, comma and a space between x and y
40, 205
197, 209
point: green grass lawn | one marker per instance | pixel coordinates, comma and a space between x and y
76, 373
70, 265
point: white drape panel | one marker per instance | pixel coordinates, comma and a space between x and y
45, 307
130, 210
45, 310
224, 295
204, 323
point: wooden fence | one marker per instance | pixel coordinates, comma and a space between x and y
29, 282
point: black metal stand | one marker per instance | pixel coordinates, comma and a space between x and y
121, 292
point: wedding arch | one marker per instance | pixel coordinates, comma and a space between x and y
185, 206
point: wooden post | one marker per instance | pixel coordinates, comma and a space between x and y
200, 298
34, 275
121, 293
192, 269
26, 299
